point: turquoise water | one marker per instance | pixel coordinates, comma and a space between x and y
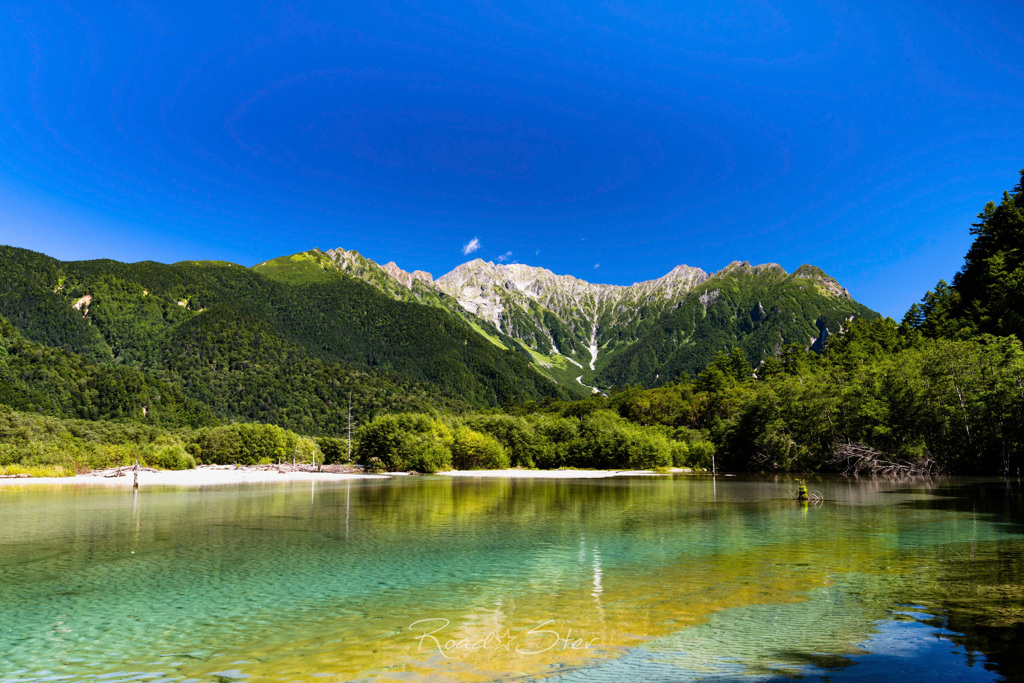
431, 578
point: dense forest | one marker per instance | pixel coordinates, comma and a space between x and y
250, 347
102, 363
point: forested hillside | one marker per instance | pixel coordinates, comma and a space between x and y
758, 309
249, 347
43, 379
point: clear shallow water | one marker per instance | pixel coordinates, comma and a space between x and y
652, 579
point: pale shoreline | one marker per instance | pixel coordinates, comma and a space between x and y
201, 476
214, 476
559, 474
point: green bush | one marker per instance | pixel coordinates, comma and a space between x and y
680, 454
431, 456
473, 450
647, 450
172, 458
251, 444
403, 442
556, 435
599, 443
516, 434
334, 450
700, 453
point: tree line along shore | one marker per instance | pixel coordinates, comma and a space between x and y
882, 398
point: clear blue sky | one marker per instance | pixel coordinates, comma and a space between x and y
611, 141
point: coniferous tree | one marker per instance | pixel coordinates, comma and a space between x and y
987, 295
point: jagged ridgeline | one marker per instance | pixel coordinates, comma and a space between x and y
759, 309
579, 333
287, 347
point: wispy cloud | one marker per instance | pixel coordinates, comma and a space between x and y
505, 257
470, 246
597, 265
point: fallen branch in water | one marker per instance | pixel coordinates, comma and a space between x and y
857, 459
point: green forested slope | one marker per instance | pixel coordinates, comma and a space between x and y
26, 278
43, 379
758, 309
252, 347
316, 266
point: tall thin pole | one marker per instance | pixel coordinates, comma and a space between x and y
350, 426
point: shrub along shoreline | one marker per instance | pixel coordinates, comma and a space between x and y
41, 445
598, 439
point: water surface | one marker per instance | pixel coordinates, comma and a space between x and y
432, 578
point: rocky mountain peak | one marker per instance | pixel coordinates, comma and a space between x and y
519, 300
825, 283
754, 270
355, 264
677, 281
406, 278
344, 257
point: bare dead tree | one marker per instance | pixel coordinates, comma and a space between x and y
858, 459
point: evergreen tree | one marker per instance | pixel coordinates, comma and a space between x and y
987, 295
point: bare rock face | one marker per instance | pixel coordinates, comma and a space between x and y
520, 300
406, 278
477, 286
423, 276
823, 282
385, 277
83, 304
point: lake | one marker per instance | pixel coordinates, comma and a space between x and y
672, 578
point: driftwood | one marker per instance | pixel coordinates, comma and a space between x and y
282, 468
857, 459
121, 471
286, 467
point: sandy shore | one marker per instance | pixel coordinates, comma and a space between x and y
557, 474
201, 476
219, 475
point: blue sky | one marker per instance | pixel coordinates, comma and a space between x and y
610, 141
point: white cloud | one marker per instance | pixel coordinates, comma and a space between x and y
505, 257
470, 246
597, 265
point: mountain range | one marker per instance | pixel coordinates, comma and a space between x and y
600, 336
295, 340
